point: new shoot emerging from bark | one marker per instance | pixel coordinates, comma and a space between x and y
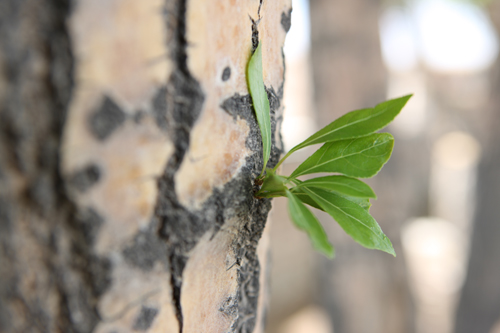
351, 149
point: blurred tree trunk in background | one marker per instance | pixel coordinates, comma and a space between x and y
479, 306
128, 150
365, 291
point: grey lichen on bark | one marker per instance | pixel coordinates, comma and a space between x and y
128, 151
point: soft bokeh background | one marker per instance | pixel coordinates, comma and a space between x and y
437, 196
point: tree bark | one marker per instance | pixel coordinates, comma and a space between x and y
128, 153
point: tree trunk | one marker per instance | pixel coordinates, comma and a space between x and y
128, 153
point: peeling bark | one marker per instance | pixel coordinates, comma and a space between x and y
128, 153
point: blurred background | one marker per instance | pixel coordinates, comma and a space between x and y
437, 195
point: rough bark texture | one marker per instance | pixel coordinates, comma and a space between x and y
128, 153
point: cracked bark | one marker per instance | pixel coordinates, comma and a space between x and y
128, 150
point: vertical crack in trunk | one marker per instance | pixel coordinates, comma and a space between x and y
182, 228
184, 102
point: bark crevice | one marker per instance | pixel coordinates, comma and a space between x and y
184, 100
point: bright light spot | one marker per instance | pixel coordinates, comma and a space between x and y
457, 150
298, 121
445, 35
454, 36
436, 256
296, 129
397, 37
309, 319
298, 39
435, 252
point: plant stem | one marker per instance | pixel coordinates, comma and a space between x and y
282, 160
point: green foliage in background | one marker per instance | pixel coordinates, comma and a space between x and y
351, 149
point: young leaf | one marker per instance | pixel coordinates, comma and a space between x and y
273, 186
345, 185
360, 157
361, 202
302, 196
357, 123
355, 221
299, 193
305, 220
260, 101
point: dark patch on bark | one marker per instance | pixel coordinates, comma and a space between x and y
145, 318
255, 33
85, 178
226, 74
286, 20
6, 256
99, 273
139, 116
260, 7
255, 28
146, 250
237, 104
184, 99
79, 287
106, 119
77, 304
5, 214
241, 105
251, 212
160, 108
229, 307
181, 229
245, 248
88, 221
87, 278
41, 193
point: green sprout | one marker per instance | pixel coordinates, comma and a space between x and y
351, 149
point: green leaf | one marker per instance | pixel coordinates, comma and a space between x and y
260, 101
305, 220
299, 193
302, 196
362, 202
273, 186
360, 157
355, 220
345, 185
357, 123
